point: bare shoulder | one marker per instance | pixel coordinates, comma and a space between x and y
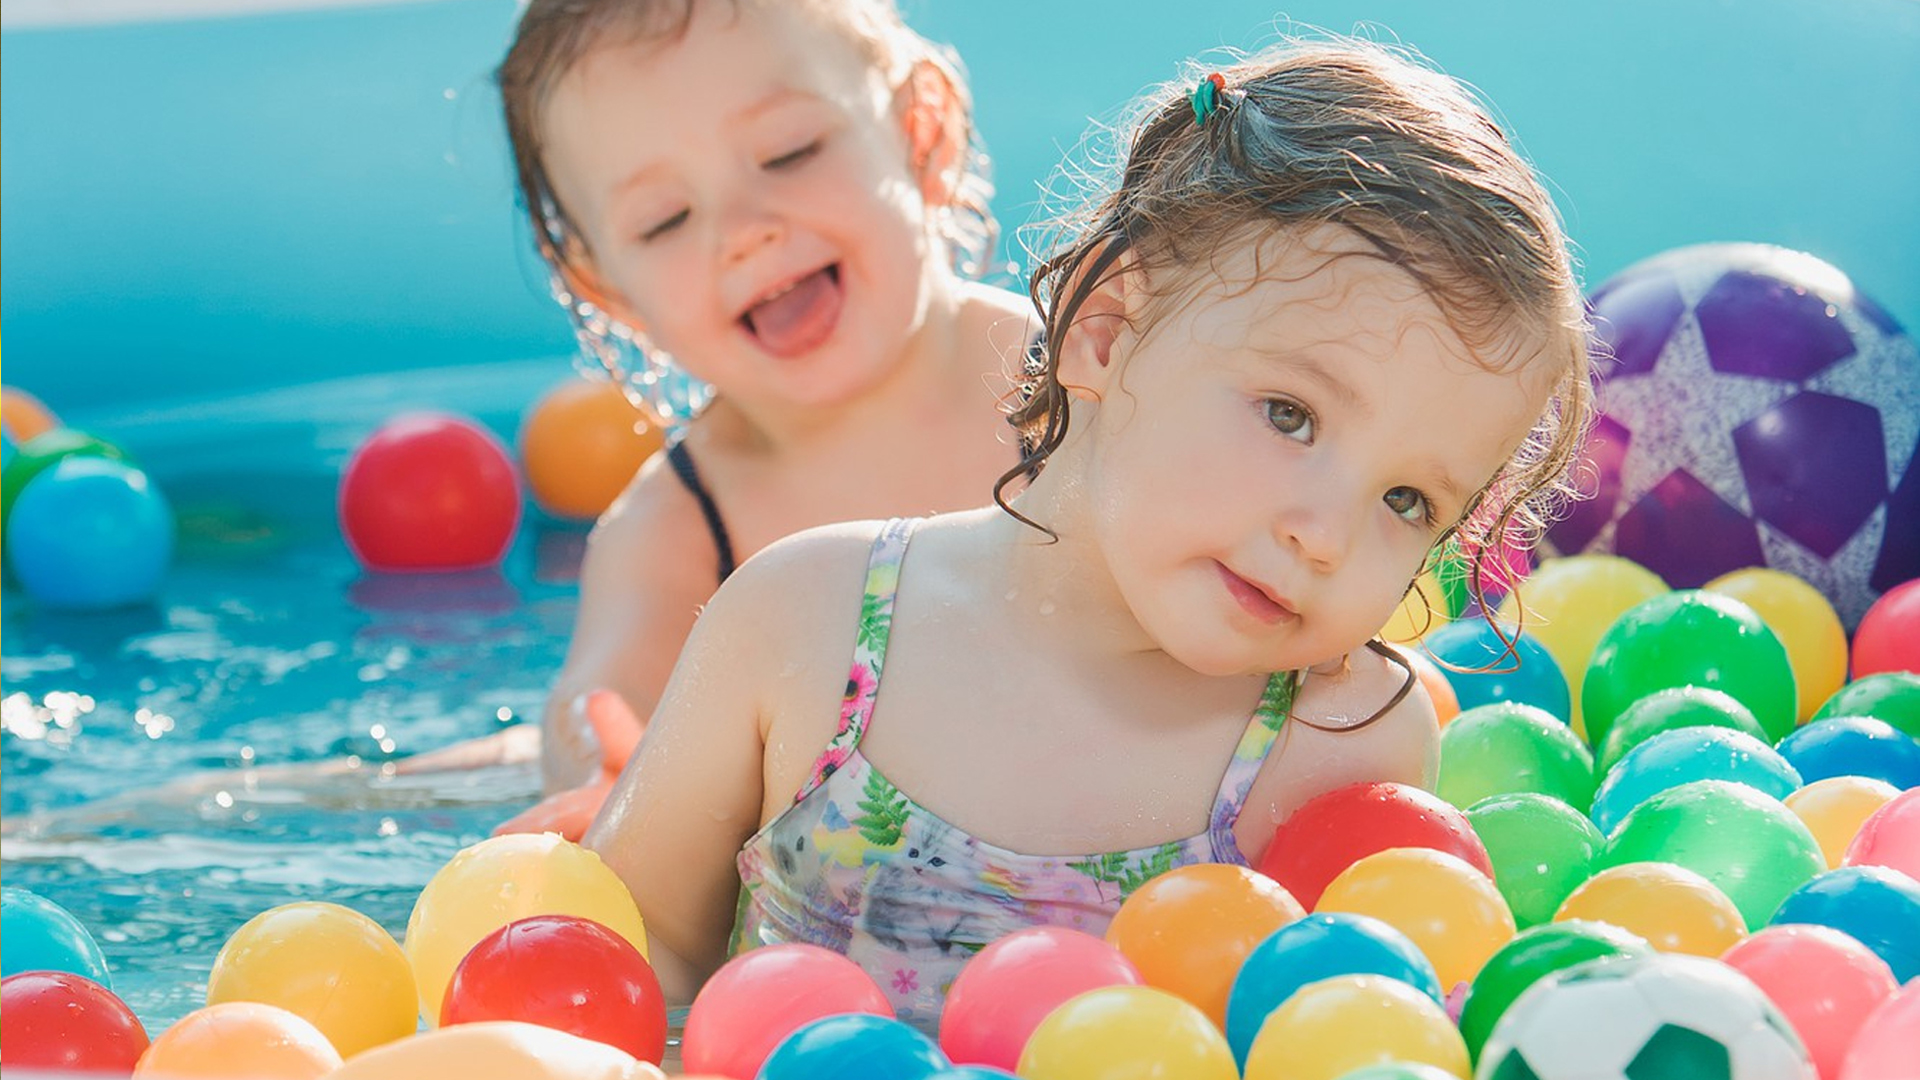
655, 528
802, 582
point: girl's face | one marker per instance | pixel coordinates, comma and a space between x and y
745, 196
1272, 458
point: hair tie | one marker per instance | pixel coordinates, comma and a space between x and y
1207, 97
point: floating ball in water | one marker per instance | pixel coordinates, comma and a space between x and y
37, 934
763, 995
89, 534
60, 1021
429, 491
581, 444
330, 964
23, 415
240, 1038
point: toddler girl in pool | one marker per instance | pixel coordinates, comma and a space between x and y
1326, 320
766, 192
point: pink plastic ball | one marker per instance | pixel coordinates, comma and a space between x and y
1823, 980
429, 491
762, 996
1889, 635
1890, 836
1003, 993
1883, 1048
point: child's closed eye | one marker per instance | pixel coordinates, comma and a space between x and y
796, 156
664, 226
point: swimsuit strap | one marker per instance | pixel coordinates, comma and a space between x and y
869, 649
682, 462
1263, 730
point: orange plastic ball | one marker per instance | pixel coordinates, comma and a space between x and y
581, 444
240, 1040
24, 415
1188, 930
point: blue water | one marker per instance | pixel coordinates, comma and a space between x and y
269, 648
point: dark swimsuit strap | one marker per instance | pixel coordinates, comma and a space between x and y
682, 462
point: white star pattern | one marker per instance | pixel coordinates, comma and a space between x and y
1841, 579
1884, 372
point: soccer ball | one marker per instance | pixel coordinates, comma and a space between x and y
1755, 411
1652, 1017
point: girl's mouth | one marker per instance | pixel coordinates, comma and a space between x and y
797, 317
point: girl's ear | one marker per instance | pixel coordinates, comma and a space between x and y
1096, 340
937, 131
577, 272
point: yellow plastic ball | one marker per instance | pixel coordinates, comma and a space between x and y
496, 1050
1126, 1031
1672, 907
1834, 809
1569, 603
1451, 910
331, 965
501, 879
1805, 623
240, 1040
1330, 1028
581, 444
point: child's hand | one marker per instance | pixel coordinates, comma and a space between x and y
617, 731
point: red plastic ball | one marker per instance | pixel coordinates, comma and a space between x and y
1334, 830
429, 491
59, 1020
1889, 635
566, 973
764, 995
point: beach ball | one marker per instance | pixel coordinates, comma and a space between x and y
497, 881
1188, 930
1893, 696
1854, 746
23, 415
329, 964
1337, 1025
1823, 981
90, 534
239, 1040
1637, 1017
1007, 988
1473, 656
1507, 747
1883, 1047
495, 1050
1669, 907
1541, 849
1747, 843
429, 491
60, 1021
1890, 837
1835, 808
1568, 602
1876, 906
580, 444
1889, 635
1334, 829
1690, 637
37, 934
1672, 758
853, 1044
1124, 1031
1755, 410
1672, 709
562, 972
1805, 623
1532, 955
761, 996
43, 452
1319, 946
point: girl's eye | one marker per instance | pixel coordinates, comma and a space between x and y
792, 157
665, 227
1408, 503
1290, 418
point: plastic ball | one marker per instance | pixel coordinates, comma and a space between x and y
1825, 983
37, 934
1541, 848
90, 534
1450, 910
1188, 930
329, 964
496, 1050
1672, 758
1331, 831
429, 491
1893, 696
1334, 1026
57, 1020
1007, 988
1532, 955
971, 1072
1834, 809
42, 452
1474, 658
1507, 747
1748, 844
1854, 746
1671, 710
1690, 638
1319, 946
1890, 837
763, 995
1670, 907
1123, 1031
1805, 623
566, 973
1446, 704
1752, 405
240, 1039
23, 415
580, 444
1438, 596
1889, 635
498, 880
853, 1044
1569, 602
1883, 1047
1878, 907
1400, 1070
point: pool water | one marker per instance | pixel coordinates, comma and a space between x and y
159, 763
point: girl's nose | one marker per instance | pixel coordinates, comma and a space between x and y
1319, 524
746, 232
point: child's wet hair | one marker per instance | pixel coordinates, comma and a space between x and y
1352, 134
554, 35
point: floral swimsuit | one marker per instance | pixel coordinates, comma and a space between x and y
857, 866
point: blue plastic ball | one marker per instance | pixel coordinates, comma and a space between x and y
1854, 746
90, 533
854, 1044
37, 934
1682, 756
1879, 907
1535, 679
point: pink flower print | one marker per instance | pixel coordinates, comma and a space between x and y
905, 980
861, 688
